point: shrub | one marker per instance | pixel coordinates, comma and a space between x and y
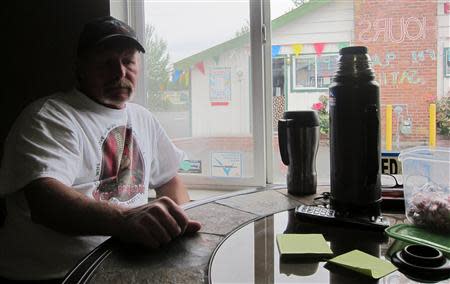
322, 108
443, 116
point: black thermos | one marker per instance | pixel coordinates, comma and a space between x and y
355, 134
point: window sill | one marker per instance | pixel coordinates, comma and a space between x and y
199, 194
306, 90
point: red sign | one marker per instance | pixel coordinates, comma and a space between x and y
447, 8
219, 103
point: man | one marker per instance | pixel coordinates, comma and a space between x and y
78, 165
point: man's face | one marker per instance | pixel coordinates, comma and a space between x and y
109, 76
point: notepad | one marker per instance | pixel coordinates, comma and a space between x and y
364, 263
303, 246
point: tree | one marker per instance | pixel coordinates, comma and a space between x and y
244, 29
298, 3
156, 64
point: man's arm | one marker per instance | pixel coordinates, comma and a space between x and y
63, 209
175, 190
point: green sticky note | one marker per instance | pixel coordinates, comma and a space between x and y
303, 245
364, 263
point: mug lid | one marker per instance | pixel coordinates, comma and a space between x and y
303, 118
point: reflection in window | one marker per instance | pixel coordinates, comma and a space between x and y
314, 71
326, 66
278, 76
410, 58
305, 72
447, 62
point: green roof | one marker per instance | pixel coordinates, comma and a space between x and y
241, 40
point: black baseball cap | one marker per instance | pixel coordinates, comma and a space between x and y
106, 29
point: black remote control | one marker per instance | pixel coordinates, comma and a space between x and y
323, 214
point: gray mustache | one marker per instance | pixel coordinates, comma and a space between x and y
123, 83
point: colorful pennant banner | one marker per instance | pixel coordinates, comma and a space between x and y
318, 47
186, 78
297, 48
201, 67
182, 77
275, 50
176, 75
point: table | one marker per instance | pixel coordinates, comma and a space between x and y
243, 223
250, 255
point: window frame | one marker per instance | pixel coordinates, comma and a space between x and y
446, 67
132, 12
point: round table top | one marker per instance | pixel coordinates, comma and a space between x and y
247, 222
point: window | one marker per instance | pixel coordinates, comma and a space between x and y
209, 91
314, 72
200, 71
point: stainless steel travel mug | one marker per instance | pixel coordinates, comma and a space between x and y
298, 139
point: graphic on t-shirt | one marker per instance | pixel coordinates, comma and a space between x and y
122, 169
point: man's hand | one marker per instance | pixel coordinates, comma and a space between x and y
63, 209
155, 224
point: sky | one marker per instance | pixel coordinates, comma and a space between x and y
191, 26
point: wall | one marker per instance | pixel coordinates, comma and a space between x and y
331, 24
402, 41
405, 39
40, 38
233, 117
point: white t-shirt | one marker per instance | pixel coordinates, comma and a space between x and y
103, 153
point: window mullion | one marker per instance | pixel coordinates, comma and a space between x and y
257, 96
268, 85
136, 19
315, 70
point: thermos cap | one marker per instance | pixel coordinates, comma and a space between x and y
303, 118
353, 50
